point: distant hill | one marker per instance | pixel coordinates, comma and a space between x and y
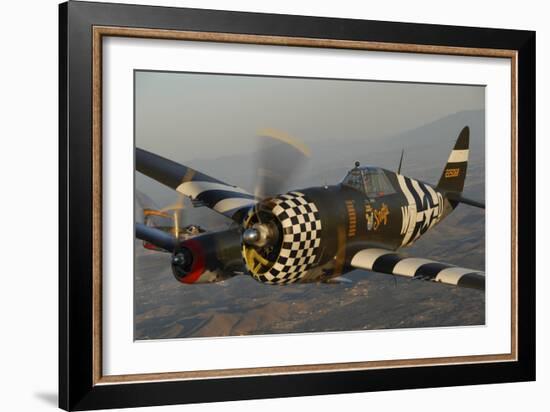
426, 150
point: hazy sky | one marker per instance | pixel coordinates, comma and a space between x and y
189, 116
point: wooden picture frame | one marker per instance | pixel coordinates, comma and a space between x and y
83, 26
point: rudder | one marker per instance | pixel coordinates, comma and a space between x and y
454, 174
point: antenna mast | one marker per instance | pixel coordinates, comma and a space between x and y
400, 162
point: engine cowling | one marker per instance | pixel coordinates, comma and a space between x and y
207, 258
281, 238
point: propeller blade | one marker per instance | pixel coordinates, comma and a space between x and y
175, 209
179, 204
280, 156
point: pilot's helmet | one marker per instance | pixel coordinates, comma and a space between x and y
193, 229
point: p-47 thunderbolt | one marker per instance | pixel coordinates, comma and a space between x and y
315, 234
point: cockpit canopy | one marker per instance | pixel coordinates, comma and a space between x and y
369, 180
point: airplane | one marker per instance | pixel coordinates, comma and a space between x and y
167, 219
315, 234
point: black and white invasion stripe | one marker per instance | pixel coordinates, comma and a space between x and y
424, 208
385, 261
213, 193
221, 197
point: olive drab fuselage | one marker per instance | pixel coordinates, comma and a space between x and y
351, 219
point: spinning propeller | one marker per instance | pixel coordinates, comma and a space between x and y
280, 157
175, 208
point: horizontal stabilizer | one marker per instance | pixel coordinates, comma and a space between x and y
457, 197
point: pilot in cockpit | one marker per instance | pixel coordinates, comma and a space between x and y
369, 180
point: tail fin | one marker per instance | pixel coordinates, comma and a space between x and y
454, 173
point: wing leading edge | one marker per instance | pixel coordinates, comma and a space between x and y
213, 193
389, 262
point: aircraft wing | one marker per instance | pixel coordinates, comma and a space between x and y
155, 236
213, 193
392, 263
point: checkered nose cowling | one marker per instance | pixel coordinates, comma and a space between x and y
298, 250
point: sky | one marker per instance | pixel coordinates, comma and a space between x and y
203, 115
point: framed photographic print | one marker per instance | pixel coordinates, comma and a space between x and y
257, 205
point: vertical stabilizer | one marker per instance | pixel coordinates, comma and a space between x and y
454, 174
